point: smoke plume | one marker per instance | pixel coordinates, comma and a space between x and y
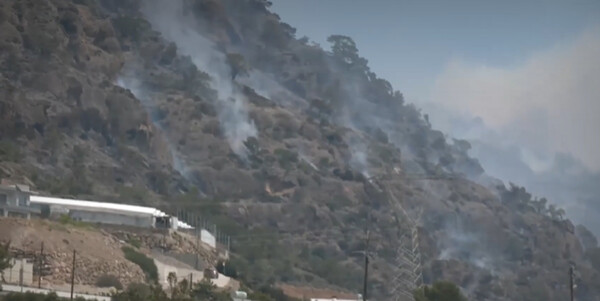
132, 84
176, 24
535, 124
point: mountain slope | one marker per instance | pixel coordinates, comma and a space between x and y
215, 106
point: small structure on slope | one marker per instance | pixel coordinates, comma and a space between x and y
15, 200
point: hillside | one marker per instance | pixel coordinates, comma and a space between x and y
216, 107
99, 251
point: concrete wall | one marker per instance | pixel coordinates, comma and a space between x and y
11, 275
182, 273
208, 238
164, 268
112, 218
61, 294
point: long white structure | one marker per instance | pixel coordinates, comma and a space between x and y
109, 213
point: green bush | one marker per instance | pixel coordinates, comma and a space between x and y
134, 193
45, 211
131, 28
140, 292
136, 243
205, 290
146, 263
285, 157
109, 281
9, 151
31, 297
67, 220
439, 291
5, 256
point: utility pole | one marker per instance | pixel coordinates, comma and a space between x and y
572, 285
41, 266
73, 275
197, 248
21, 276
365, 280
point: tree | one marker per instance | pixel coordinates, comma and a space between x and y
344, 48
5, 259
439, 291
205, 290
552, 211
237, 64
560, 213
172, 279
540, 205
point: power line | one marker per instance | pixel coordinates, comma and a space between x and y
408, 256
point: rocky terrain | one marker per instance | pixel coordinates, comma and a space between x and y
98, 253
99, 250
215, 106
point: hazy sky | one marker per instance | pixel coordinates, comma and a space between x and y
530, 70
410, 42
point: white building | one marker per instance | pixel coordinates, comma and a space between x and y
108, 213
14, 200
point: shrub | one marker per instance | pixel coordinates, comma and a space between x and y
439, 291
205, 290
286, 158
5, 257
132, 28
9, 151
109, 281
41, 40
146, 263
67, 220
134, 193
136, 243
45, 211
30, 297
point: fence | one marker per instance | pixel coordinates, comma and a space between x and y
21, 272
205, 230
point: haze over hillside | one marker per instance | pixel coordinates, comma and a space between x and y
518, 79
220, 109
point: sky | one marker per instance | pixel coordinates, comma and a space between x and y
519, 79
478, 59
410, 42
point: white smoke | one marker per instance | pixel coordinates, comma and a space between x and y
176, 24
547, 105
532, 123
359, 157
132, 84
265, 86
462, 244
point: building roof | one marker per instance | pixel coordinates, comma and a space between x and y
15, 187
122, 208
